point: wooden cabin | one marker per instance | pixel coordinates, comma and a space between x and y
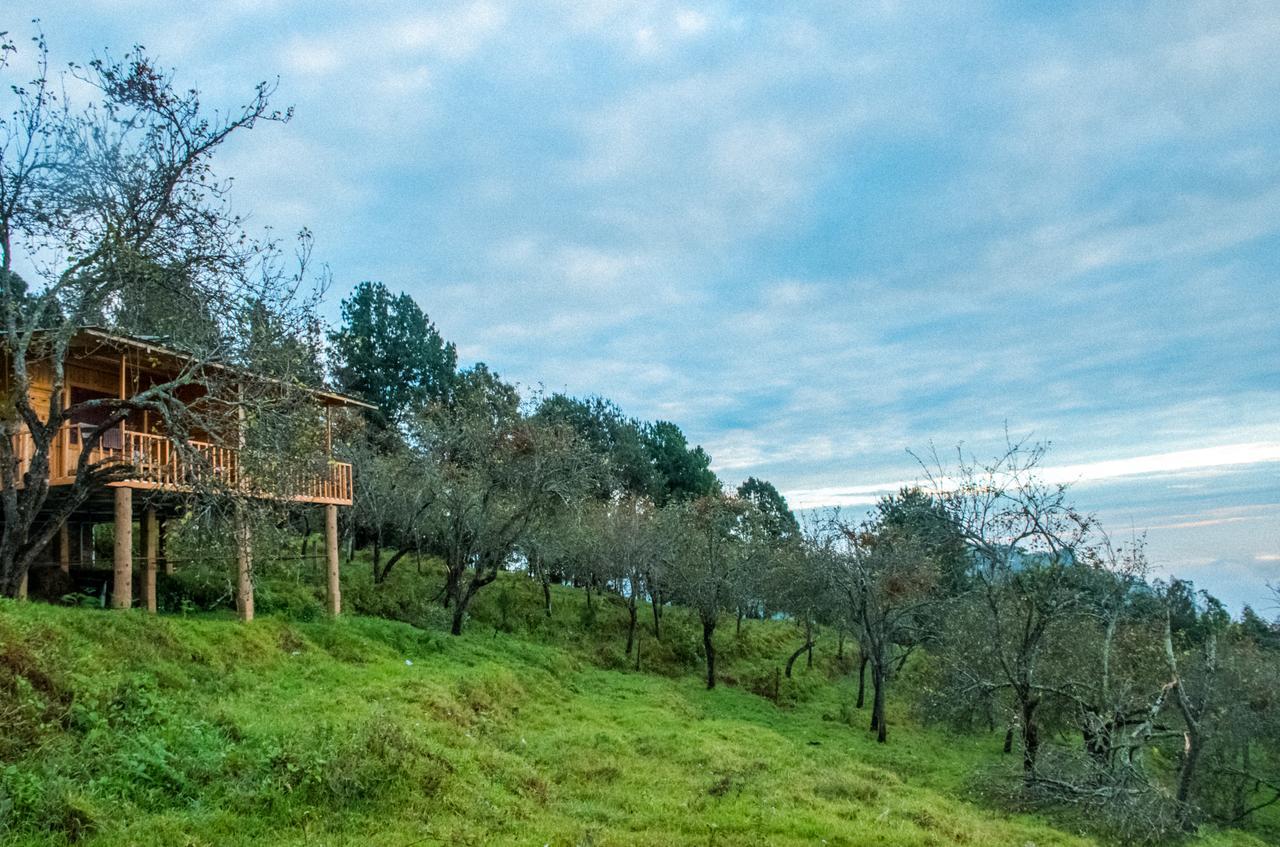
100, 364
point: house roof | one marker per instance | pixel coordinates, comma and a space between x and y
153, 346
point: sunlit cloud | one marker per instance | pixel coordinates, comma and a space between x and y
1180, 461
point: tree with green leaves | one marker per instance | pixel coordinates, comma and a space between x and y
617, 441
779, 520
683, 473
388, 352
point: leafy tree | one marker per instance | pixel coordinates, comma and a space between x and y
631, 545
162, 302
779, 521
683, 473
887, 577
614, 438
394, 489
388, 352
915, 513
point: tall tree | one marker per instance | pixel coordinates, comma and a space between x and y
1024, 537
888, 580
683, 473
779, 520
388, 352
613, 437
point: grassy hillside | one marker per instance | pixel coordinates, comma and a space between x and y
120, 729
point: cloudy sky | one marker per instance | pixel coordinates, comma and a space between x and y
816, 235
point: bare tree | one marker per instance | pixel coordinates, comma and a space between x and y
631, 546
886, 579
704, 566
1024, 537
496, 473
94, 198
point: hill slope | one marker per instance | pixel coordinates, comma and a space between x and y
119, 729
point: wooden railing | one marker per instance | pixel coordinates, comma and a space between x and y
158, 464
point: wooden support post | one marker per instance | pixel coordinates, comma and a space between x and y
150, 546
244, 565
122, 584
64, 547
331, 558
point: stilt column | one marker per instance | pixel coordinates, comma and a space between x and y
122, 585
244, 565
331, 559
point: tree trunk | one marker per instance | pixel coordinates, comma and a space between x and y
737, 629
1030, 736
1008, 740
657, 616
381, 574
877, 709
460, 602
808, 640
1193, 744
862, 679
631, 622
792, 659
708, 629
546, 594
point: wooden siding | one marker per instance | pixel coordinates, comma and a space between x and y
154, 457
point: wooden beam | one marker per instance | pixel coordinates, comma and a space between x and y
150, 547
122, 584
244, 565
334, 586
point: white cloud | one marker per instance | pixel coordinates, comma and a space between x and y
691, 22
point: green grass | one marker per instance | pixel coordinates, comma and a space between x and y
119, 729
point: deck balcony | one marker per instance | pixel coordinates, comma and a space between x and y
158, 465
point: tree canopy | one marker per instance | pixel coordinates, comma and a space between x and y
388, 352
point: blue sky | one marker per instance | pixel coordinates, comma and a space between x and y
815, 235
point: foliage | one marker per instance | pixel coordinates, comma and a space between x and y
683, 473
388, 352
